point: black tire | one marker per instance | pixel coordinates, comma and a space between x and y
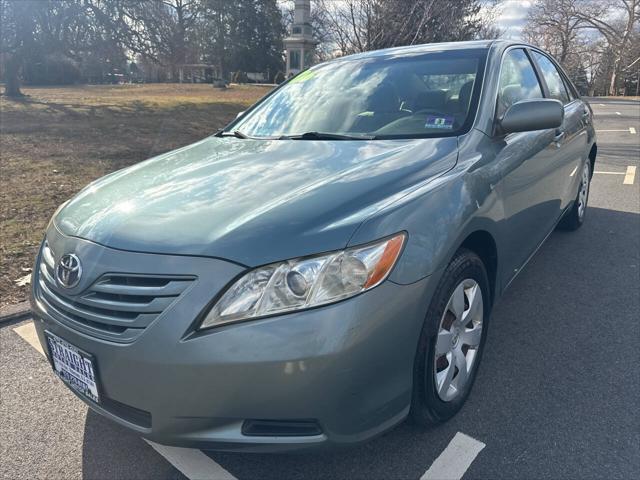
427, 408
572, 219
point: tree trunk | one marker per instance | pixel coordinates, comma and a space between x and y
621, 48
614, 77
12, 77
220, 44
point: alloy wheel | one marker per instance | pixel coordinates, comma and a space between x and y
583, 195
458, 340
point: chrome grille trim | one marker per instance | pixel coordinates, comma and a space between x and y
47, 257
157, 305
117, 306
169, 289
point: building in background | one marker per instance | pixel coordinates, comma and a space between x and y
300, 45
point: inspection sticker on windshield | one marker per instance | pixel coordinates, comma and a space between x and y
434, 121
303, 76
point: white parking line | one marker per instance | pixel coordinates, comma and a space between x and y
454, 461
29, 335
630, 130
192, 463
629, 176
608, 173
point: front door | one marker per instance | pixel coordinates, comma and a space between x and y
529, 164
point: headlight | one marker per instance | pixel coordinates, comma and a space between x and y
306, 282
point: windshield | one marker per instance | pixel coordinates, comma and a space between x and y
432, 94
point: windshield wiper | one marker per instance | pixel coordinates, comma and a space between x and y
235, 133
326, 136
302, 136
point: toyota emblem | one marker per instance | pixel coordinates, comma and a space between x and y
68, 271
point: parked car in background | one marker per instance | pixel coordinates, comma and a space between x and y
326, 265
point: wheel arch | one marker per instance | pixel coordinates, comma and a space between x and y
483, 244
592, 157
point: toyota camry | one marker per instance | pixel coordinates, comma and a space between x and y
326, 265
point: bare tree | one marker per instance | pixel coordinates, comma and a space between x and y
488, 21
18, 39
35, 29
351, 24
555, 27
591, 38
161, 30
592, 55
361, 25
618, 30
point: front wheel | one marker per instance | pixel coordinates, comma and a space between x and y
574, 218
451, 341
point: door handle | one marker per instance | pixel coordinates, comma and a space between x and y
559, 136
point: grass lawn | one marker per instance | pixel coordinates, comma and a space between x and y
56, 140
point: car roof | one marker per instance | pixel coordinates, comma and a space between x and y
430, 47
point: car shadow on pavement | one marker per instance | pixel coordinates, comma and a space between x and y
553, 372
111, 451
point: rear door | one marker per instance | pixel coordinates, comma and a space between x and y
573, 138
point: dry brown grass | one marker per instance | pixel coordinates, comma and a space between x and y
57, 140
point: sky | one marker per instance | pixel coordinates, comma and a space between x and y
513, 17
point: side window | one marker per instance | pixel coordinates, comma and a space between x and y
518, 80
552, 77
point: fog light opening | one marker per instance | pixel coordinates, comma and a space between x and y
281, 428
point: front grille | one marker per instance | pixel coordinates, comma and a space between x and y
117, 306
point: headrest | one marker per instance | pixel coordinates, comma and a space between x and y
465, 95
430, 100
384, 99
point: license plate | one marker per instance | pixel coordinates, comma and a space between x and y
75, 367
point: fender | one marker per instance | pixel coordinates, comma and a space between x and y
442, 214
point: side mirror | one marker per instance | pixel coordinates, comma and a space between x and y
527, 115
239, 114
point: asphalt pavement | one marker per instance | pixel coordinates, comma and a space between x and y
556, 395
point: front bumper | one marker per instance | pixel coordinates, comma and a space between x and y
348, 366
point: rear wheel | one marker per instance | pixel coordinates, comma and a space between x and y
451, 341
574, 218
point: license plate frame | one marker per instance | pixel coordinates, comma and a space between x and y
75, 367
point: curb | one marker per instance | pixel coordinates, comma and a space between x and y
18, 311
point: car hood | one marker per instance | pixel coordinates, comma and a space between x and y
252, 201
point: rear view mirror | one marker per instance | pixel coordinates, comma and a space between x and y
239, 114
527, 115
